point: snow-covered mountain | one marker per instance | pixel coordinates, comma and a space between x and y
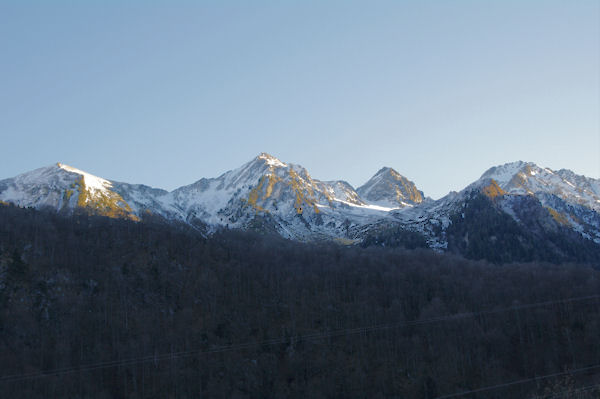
535, 209
295, 204
388, 209
64, 188
528, 178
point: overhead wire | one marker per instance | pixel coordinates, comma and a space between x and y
519, 382
282, 340
562, 394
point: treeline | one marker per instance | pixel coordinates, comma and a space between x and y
102, 308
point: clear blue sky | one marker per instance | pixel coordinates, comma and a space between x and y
163, 93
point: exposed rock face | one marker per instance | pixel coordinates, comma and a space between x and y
390, 188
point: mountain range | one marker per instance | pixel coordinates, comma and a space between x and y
516, 211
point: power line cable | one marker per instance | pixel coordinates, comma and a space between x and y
277, 341
567, 391
518, 382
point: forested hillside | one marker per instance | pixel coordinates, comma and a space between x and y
92, 307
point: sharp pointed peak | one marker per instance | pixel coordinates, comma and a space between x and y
386, 170
270, 159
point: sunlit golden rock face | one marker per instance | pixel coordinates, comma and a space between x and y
67, 189
103, 203
390, 188
281, 183
493, 190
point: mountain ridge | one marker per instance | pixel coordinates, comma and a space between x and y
285, 198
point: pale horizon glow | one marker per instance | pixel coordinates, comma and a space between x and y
164, 94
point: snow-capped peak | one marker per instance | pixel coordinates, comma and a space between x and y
504, 173
388, 170
271, 160
528, 178
64, 187
92, 183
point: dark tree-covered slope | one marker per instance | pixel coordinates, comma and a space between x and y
483, 230
163, 312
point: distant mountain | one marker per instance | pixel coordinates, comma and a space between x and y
389, 188
64, 189
528, 178
516, 211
